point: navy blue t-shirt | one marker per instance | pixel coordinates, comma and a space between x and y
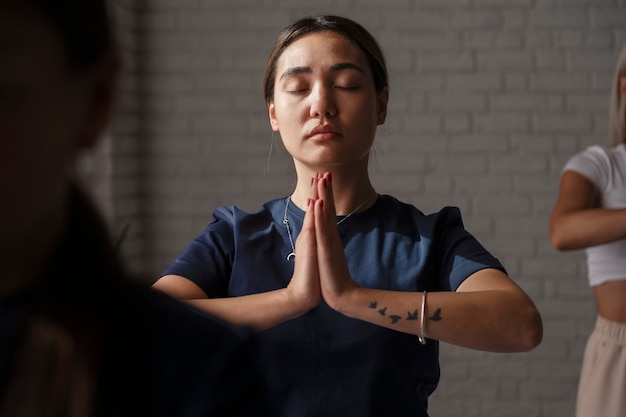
324, 363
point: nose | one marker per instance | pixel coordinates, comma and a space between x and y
322, 102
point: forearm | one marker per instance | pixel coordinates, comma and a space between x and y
575, 222
493, 320
256, 311
583, 228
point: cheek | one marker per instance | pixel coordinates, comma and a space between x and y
36, 147
364, 114
36, 150
289, 115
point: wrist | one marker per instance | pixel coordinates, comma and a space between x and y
297, 303
346, 301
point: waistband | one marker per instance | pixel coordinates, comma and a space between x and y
611, 330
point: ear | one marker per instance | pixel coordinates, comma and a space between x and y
271, 108
101, 93
383, 99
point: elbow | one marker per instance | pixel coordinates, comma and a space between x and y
531, 331
558, 239
557, 242
563, 237
562, 244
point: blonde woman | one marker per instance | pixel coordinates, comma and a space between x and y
590, 214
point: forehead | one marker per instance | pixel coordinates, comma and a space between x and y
321, 49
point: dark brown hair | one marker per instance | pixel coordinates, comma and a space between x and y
345, 27
84, 25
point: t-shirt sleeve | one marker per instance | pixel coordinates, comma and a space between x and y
460, 253
592, 163
207, 260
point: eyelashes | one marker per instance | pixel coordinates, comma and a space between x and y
301, 91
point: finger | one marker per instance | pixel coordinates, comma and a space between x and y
306, 250
308, 225
326, 194
309, 215
321, 225
305, 281
330, 195
314, 185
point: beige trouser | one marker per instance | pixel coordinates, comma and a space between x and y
602, 386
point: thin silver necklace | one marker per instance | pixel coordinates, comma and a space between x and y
286, 222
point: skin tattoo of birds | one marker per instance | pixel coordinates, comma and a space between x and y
409, 315
382, 311
394, 317
436, 315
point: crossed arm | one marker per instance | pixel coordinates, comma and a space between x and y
487, 312
576, 223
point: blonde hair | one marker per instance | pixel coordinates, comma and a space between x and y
617, 106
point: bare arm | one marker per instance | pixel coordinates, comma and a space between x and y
575, 223
263, 310
257, 311
488, 312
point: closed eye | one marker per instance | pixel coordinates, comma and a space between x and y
298, 91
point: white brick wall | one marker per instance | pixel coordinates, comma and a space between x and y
488, 100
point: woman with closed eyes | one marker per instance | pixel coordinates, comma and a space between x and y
349, 289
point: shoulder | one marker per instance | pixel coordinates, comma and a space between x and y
447, 214
234, 215
592, 155
227, 221
407, 220
617, 154
597, 163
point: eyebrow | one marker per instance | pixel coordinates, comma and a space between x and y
307, 70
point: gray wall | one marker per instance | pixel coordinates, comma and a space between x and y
488, 100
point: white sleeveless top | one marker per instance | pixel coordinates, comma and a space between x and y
606, 169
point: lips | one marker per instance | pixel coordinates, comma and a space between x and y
323, 130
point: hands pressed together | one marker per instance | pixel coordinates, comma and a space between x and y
488, 311
321, 270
